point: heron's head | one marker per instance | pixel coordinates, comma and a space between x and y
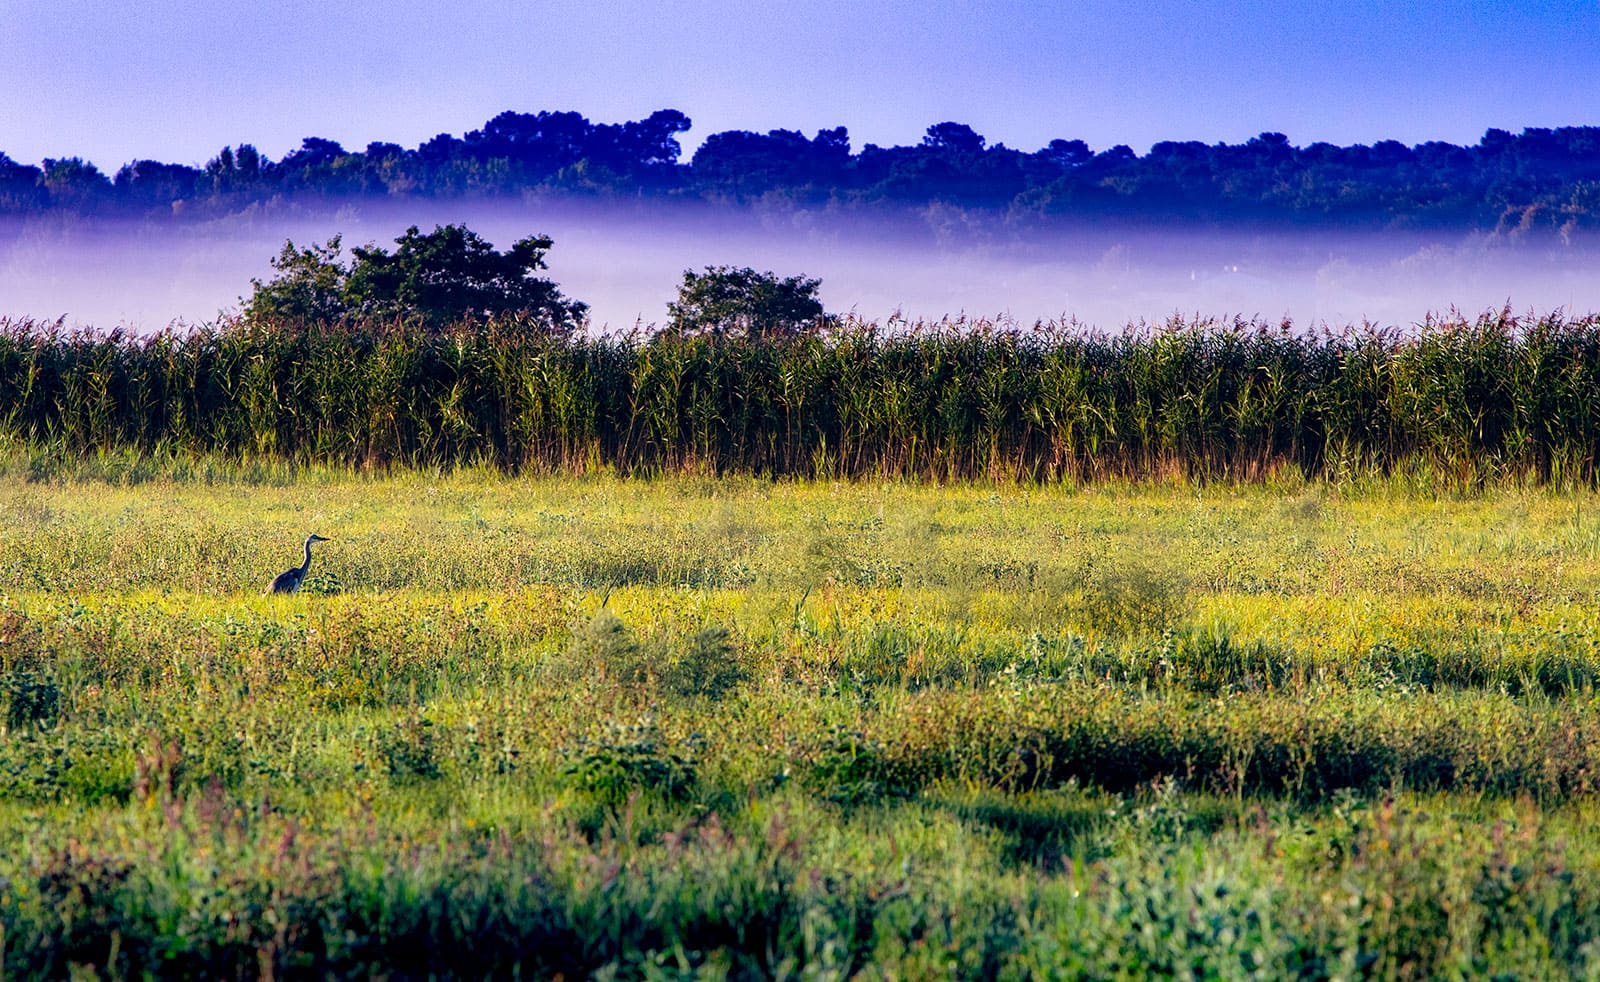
314, 537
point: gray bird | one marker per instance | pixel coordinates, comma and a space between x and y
288, 581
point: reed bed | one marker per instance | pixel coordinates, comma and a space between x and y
1458, 400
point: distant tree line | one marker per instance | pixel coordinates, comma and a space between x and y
1539, 181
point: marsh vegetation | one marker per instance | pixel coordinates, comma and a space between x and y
1458, 403
729, 727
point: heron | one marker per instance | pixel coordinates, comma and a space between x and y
289, 580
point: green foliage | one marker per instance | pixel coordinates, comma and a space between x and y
727, 301
997, 730
32, 699
408, 750
436, 278
708, 665
309, 285
602, 649
850, 768
625, 758
322, 583
1460, 404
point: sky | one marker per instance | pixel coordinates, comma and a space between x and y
175, 80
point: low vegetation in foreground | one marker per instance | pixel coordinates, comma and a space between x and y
705, 728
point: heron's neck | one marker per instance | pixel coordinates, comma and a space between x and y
307, 564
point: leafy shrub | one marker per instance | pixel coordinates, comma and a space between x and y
32, 700
708, 667
89, 894
850, 768
1160, 812
603, 648
408, 750
85, 765
623, 758
33, 765
323, 583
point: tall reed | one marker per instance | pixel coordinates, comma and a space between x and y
1488, 398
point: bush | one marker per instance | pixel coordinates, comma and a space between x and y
603, 649
621, 759
708, 667
34, 700
850, 768
408, 750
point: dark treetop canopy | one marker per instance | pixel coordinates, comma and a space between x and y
1539, 180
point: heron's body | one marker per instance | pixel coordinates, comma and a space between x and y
289, 580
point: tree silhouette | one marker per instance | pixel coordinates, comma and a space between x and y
727, 301
953, 137
445, 276
1536, 181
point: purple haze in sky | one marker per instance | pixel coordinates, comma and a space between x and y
176, 80
626, 263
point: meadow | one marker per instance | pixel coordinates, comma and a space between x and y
695, 726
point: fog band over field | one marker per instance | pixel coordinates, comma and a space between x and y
626, 262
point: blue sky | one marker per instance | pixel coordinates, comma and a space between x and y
177, 79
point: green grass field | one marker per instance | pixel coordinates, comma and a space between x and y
689, 727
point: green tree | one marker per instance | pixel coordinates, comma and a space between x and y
440, 277
738, 301
310, 285
76, 184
